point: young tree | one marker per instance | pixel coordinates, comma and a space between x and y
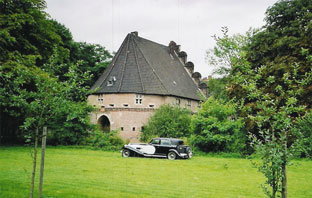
49, 101
275, 114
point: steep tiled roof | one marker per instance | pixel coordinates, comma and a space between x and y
146, 67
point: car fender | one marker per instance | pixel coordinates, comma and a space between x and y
132, 149
175, 152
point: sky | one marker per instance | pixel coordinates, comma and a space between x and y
190, 23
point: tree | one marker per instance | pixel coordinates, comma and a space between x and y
285, 40
94, 59
228, 50
168, 121
275, 114
217, 88
51, 101
280, 42
271, 78
215, 127
25, 30
28, 40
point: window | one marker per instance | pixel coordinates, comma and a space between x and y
142, 128
155, 141
111, 81
138, 99
121, 128
189, 102
125, 105
178, 101
151, 105
100, 99
133, 128
165, 142
111, 105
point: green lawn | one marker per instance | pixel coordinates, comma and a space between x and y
87, 173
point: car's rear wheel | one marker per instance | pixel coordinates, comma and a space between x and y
172, 155
125, 153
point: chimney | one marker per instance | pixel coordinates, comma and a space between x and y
183, 56
190, 67
135, 33
196, 76
173, 47
204, 88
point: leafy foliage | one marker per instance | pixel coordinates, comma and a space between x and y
107, 141
215, 127
168, 121
283, 39
52, 105
217, 88
228, 51
36, 51
25, 30
269, 74
304, 130
276, 116
94, 58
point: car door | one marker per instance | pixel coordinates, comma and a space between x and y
164, 147
156, 143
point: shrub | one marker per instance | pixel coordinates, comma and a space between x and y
167, 121
215, 128
106, 141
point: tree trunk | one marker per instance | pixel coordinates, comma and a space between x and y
43, 147
274, 184
284, 171
34, 165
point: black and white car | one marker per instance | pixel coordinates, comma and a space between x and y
170, 148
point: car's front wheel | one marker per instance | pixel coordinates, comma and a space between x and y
125, 153
172, 155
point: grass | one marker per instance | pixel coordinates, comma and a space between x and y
72, 172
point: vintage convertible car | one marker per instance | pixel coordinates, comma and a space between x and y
170, 148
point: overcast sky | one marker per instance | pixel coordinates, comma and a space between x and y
190, 23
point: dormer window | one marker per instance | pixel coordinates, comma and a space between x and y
111, 81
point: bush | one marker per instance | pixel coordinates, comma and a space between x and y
106, 141
168, 121
215, 128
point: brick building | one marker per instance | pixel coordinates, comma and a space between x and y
142, 76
